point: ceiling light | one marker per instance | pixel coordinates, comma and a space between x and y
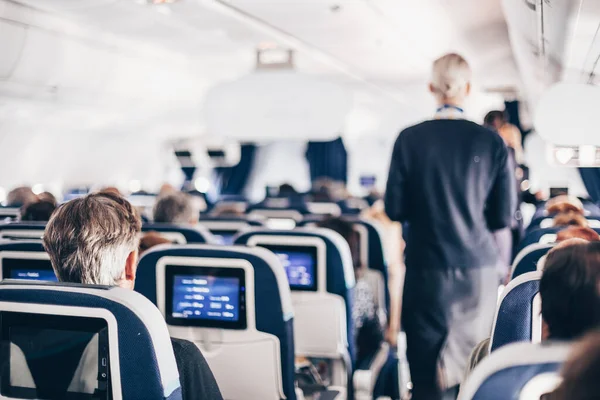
202, 184
37, 189
135, 186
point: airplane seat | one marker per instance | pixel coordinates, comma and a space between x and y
528, 258
225, 229
104, 341
518, 315
25, 260
10, 213
320, 272
517, 371
543, 235
22, 230
250, 344
181, 234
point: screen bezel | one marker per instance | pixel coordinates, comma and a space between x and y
21, 255
172, 269
298, 249
93, 325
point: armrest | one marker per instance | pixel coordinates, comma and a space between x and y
364, 379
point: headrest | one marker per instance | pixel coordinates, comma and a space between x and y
181, 234
518, 316
141, 357
10, 212
517, 371
527, 259
227, 219
543, 234
272, 293
22, 230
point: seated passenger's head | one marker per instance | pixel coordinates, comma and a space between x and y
151, 239
346, 230
49, 197
287, 190
570, 290
581, 371
570, 218
578, 232
450, 79
20, 197
494, 120
38, 211
94, 240
564, 203
176, 208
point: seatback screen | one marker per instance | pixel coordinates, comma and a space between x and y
206, 297
300, 264
28, 269
54, 357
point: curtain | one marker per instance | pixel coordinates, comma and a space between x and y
591, 179
328, 160
233, 180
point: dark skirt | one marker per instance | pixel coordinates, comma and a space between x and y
446, 313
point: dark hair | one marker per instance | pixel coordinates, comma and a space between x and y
346, 230
580, 372
39, 211
490, 119
569, 289
287, 190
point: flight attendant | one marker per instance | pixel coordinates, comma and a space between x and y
450, 182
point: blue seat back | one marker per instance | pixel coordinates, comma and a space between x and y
339, 269
191, 234
522, 370
139, 342
22, 230
518, 316
537, 234
272, 306
528, 258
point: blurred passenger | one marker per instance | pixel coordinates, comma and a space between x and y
166, 188
570, 218
176, 208
111, 189
570, 294
494, 120
38, 211
94, 240
564, 203
151, 239
287, 190
228, 210
368, 332
451, 183
393, 245
21, 196
49, 197
578, 232
581, 371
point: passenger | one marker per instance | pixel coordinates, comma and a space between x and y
393, 245
49, 197
94, 240
112, 189
176, 208
564, 203
38, 211
578, 232
580, 372
151, 239
21, 196
570, 294
494, 120
287, 190
451, 183
368, 332
570, 218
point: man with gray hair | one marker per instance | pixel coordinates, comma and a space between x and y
94, 240
176, 208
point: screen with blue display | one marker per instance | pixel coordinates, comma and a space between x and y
300, 264
32, 270
213, 299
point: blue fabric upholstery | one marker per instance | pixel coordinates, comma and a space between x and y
140, 374
23, 226
529, 261
336, 279
27, 246
509, 382
514, 319
251, 222
192, 235
269, 311
535, 235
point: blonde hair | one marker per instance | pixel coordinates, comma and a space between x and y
450, 76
